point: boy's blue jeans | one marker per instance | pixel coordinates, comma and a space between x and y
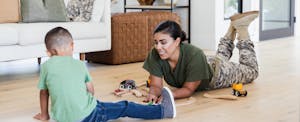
106, 111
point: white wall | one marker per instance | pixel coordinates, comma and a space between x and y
203, 23
117, 6
297, 14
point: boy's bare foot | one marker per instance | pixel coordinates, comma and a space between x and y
41, 117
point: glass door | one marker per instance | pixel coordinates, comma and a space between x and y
276, 19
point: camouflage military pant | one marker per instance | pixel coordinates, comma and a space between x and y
227, 72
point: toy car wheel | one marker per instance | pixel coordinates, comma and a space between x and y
237, 93
129, 87
245, 93
122, 86
233, 92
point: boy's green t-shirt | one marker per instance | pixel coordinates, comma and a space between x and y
65, 78
191, 66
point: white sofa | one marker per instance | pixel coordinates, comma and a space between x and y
26, 40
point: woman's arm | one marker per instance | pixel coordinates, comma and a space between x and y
156, 85
90, 87
187, 90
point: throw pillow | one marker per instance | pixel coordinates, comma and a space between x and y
43, 11
80, 10
9, 11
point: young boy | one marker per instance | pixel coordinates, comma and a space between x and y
68, 83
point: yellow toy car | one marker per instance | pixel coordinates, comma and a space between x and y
237, 89
148, 83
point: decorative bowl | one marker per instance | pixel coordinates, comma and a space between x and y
146, 2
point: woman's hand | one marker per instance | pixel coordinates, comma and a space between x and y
156, 84
152, 99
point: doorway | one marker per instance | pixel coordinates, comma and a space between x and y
276, 19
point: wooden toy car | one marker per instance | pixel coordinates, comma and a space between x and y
237, 89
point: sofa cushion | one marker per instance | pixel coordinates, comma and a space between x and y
8, 34
43, 11
97, 12
34, 33
9, 11
80, 10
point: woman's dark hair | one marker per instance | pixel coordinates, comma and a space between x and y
172, 28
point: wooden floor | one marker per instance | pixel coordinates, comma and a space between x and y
273, 97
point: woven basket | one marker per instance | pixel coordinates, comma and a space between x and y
146, 2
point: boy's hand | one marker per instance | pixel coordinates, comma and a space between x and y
42, 117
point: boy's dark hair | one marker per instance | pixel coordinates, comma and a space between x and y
172, 28
58, 38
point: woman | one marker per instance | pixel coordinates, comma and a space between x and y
185, 66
